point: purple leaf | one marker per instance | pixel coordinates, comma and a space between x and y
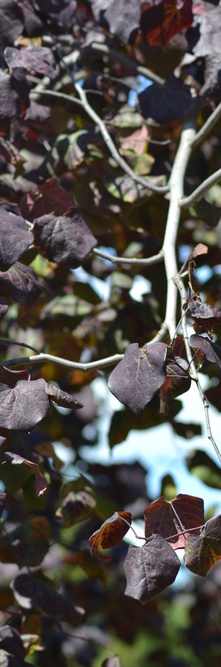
65, 239
32, 593
37, 58
62, 398
14, 238
23, 405
20, 284
139, 375
211, 350
150, 569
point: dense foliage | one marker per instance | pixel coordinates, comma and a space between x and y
91, 178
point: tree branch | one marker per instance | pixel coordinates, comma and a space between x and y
169, 244
208, 125
106, 136
80, 366
203, 188
133, 261
180, 285
119, 57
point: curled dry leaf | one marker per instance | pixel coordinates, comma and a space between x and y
110, 534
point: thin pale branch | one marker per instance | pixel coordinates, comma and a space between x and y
53, 93
133, 261
208, 125
106, 136
119, 57
173, 220
180, 285
203, 188
80, 366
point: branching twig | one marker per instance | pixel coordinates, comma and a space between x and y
208, 125
133, 261
203, 188
178, 281
119, 57
106, 136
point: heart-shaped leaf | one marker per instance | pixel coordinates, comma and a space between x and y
14, 238
20, 284
150, 569
23, 405
139, 375
65, 239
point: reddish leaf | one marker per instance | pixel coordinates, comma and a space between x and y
62, 398
205, 316
14, 238
110, 534
171, 518
64, 240
11, 377
20, 284
49, 198
23, 405
31, 593
139, 375
211, 350
37, 58
161, 22
150, 569
40, 481
203, 552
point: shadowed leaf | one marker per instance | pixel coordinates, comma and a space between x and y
112, 662
32, 593
203, 552
20, 284
211, 350
40, 481
14, 238
161, 518
110, 534
27, 544
167, 103
64, 240
150, 569
76, 507
139, 375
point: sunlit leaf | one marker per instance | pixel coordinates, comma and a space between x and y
110, 534
150, 569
